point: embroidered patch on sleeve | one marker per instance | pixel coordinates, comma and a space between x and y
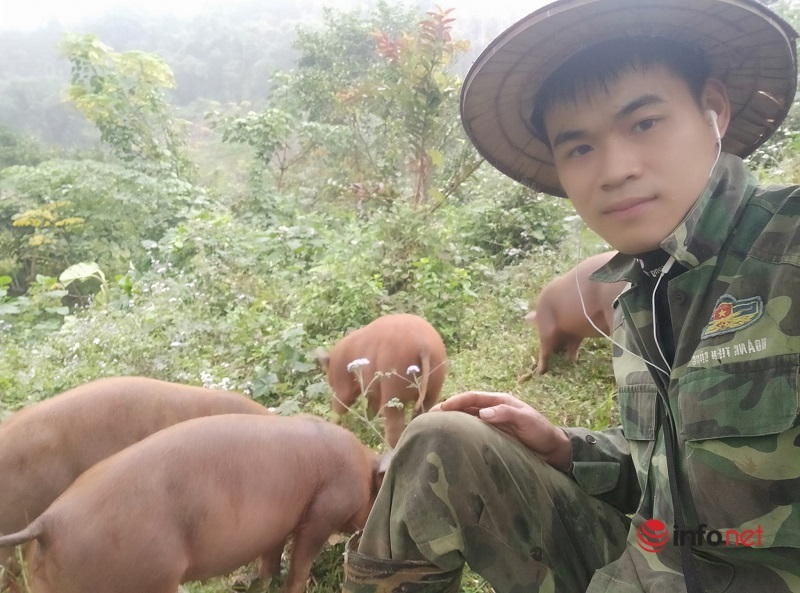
731, 315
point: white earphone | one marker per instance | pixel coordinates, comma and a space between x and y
712, 120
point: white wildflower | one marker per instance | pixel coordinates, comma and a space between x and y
207, 379
357, 363
412, 369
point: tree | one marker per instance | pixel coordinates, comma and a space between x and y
419, 95
16, 149
123, 95
372, 107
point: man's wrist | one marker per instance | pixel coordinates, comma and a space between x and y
561, 456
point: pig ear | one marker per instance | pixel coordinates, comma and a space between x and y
381, 465
323, 358
385, 460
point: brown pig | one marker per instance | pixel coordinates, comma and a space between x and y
44, 447
559, 315
390, 345
200, 499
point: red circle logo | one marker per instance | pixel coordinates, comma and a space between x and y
653, 535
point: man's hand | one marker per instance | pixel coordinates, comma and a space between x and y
516, 418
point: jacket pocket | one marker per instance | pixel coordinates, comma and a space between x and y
637, 410
745, 399
739, 425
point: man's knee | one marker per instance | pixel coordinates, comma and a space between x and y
452, 427
456, 438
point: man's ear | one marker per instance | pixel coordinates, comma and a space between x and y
715, 98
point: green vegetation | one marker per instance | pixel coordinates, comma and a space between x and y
224, 253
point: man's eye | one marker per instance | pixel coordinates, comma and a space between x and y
645, 124
579, 150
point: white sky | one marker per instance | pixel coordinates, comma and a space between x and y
30, 14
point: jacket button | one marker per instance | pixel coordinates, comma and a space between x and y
590, 439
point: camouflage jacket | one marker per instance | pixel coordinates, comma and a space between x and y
732, 391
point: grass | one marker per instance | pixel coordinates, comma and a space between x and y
497, 357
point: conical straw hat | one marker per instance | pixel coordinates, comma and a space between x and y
749, 48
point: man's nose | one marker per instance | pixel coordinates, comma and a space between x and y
621, 163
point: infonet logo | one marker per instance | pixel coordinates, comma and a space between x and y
653, 536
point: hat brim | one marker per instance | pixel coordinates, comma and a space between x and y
749, 48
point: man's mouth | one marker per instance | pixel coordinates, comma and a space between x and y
627, 206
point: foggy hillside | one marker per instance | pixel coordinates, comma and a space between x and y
225, 54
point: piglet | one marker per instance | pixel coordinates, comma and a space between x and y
44, 447
559, 315
408, 355
200, 499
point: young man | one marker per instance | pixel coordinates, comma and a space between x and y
639, 112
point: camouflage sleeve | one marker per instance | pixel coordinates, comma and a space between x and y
603, 467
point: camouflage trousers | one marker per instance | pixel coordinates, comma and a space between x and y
459, 490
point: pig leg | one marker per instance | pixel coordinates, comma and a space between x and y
6, 577
397, 389
545, 349
10, 572
548, 338
269, 567
271, 562
345, 392
373, 405
338, 405
394, 422
321, 520
338, 411
573, 343
8, 583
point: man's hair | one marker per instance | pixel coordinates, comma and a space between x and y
601, 65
